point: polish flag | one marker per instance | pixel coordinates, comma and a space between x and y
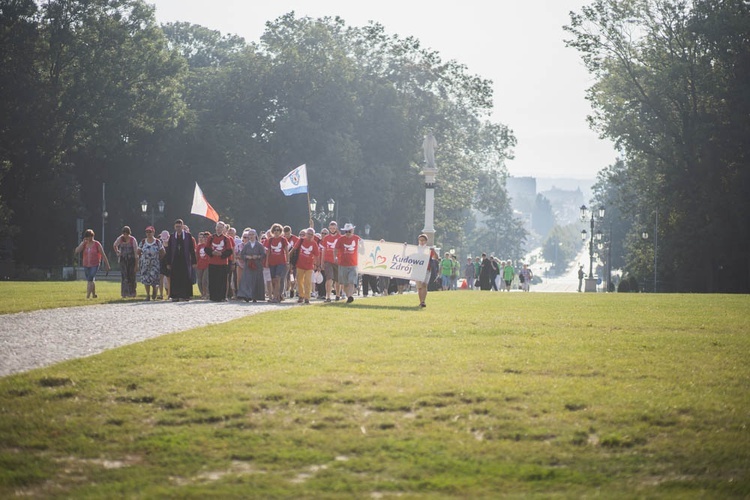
201, 206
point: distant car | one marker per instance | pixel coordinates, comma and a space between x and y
535, 280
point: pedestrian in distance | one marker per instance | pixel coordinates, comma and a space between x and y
581, 275
219, 248
509, 272
93, 255
252, 284
126, 247
422, 286
347, 251
181, 262
150, 252
524, 277
470, 273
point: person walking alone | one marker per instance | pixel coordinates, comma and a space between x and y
93, 254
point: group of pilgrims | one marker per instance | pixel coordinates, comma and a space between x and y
224, 264
272, 265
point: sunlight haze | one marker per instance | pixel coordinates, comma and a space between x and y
539, 84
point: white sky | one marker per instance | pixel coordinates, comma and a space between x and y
539, 84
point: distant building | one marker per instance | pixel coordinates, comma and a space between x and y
565, 204
522, 192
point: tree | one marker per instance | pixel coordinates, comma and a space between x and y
668, 82
90, 80
561, 247
542, 217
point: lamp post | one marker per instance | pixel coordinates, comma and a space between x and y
104, 209
152, 214
644, 235
430, 172
590, 280
322, 215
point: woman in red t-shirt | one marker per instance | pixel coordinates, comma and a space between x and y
309, 252
219, 247
277, 256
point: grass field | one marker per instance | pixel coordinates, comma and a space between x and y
20, 296
480, 395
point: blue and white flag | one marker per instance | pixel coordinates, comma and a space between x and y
295, 182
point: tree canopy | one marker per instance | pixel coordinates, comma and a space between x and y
99, 100
672, 89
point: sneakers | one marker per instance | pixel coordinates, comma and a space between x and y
422, 304
328, 299
307, 302
350, 300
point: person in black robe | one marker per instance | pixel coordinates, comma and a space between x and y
180, 262
485, 273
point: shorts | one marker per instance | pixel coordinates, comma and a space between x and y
508, 282
90, 272
331, 271
278, 271
446, 281
348, 275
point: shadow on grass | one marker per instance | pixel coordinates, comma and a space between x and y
360, 305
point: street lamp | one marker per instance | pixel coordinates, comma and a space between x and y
153, 213
590, 281
644, 235
322, 215
105, 214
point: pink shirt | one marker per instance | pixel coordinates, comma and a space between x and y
92, 254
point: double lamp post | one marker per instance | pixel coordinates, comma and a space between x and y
152, 214
585, 213
321, 215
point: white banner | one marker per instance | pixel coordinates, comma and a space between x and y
396, 260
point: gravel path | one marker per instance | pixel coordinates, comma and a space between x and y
40, 338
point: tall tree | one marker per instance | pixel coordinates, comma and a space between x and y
101, 79
668, 79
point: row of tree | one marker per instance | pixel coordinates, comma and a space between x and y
96, 93
672, 90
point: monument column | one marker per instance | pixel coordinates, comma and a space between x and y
430, 172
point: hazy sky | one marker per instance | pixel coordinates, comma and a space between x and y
539, 84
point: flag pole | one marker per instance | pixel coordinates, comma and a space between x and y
309, 210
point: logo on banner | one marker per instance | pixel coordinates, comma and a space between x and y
376, 260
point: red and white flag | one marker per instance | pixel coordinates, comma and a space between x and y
202, 207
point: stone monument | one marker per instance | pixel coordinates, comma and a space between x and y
430, 171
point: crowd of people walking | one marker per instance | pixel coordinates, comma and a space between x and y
273, 265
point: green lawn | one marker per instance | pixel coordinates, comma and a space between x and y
19, 296
478, 395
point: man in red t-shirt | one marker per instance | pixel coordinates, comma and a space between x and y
330, 265
219, 248
307, 259
347, 249
277, 256
288, 281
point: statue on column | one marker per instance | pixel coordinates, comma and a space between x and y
428, 145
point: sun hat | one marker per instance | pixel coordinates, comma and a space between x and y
348, 227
